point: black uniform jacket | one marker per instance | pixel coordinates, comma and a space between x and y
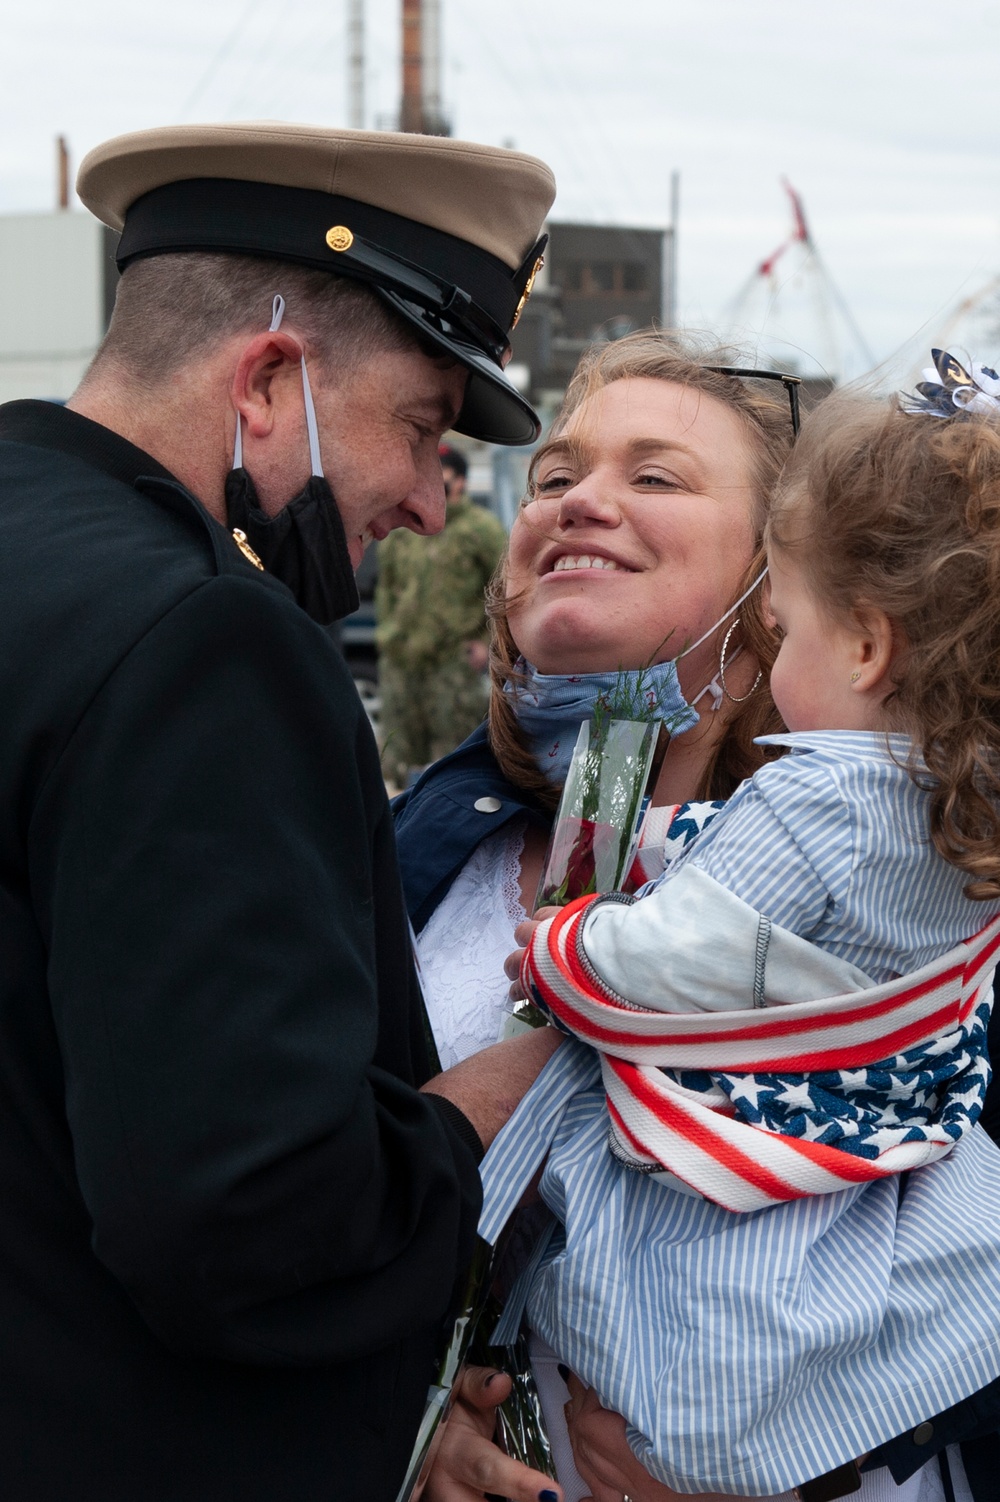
230, 1227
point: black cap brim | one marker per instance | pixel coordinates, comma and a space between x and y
494, 410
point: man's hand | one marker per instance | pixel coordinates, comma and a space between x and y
604, 1459
468, 1464
487, 1087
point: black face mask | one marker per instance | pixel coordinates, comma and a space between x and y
304, 545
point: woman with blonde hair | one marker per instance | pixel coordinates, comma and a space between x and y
639, 544
713, 445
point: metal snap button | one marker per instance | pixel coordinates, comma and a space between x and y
923, 1433
487, 805
339, 237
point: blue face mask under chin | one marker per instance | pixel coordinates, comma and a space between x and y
550, 707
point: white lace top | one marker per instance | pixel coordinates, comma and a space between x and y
465, 942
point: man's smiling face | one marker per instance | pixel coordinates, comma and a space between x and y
379, 435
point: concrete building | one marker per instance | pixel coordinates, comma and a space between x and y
58, 277
598, 282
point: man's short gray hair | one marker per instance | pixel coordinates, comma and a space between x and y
170, 308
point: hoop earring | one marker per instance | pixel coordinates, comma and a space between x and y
722, 670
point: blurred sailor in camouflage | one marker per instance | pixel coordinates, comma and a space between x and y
432, 633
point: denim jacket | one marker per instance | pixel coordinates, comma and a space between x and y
454, 805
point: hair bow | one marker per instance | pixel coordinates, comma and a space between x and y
948, 389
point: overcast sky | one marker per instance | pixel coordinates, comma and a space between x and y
882, 113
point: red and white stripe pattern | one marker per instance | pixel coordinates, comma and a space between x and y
659, 1124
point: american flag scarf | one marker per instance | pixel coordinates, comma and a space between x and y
753, 1108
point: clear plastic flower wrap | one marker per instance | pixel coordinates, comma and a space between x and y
595, 834
596, 828
520, 1428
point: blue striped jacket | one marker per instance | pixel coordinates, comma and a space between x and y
438, 826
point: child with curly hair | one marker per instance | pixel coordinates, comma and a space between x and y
794, 1017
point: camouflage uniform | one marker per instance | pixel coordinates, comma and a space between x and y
428, 604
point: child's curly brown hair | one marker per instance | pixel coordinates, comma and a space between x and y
901, 511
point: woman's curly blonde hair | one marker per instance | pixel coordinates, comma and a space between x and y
660, 356
901, 511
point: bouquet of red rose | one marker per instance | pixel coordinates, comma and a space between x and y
596, 828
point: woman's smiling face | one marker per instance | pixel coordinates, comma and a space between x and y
637, 536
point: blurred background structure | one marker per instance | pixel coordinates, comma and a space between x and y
888, 243
58, 277
791, 306
882, 117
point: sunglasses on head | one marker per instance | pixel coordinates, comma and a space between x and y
791, 384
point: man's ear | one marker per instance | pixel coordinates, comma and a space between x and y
876, 648
265, 362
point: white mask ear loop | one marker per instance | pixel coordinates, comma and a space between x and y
731, 611
714, 687
277, 314
312, 429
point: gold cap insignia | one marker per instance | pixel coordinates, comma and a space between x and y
339, 238
529, 284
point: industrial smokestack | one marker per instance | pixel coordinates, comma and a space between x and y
434, 124
411, 114
62, 172
420, 109
356, 64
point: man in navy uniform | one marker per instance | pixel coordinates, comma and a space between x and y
232, 1218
